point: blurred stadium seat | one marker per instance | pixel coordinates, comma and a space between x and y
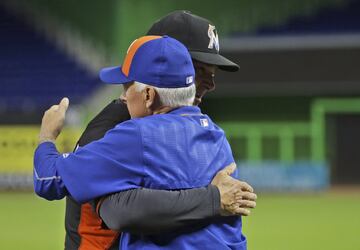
328, 19
34, 72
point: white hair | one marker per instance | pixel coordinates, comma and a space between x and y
172, 97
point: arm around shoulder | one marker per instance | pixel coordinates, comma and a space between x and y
149, 211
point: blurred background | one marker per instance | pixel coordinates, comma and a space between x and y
291, 113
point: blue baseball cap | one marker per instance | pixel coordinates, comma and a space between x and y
159, 61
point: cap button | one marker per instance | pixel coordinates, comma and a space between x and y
165, 36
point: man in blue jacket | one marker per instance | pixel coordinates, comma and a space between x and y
167, 145
139, 210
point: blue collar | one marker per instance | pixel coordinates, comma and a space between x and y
186, 110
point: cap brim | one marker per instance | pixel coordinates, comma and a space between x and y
215, 59
113, 75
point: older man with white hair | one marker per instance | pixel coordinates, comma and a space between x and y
168, 144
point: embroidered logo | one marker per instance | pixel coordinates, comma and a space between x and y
204, 122
189, 80
214, 39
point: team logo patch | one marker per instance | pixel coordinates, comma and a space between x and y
214, 38
204, 122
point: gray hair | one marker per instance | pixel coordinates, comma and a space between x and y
172, 97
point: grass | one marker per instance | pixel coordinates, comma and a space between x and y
318, 221
29, 222
280, 222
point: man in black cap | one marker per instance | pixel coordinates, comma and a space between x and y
155, 211
199, 35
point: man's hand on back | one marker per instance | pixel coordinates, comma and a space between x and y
237, 197
53, 121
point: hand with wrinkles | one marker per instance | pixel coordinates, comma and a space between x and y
53, 121
237, 197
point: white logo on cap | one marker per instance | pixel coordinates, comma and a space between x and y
189, 80
214, 39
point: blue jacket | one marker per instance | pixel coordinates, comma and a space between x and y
178, 150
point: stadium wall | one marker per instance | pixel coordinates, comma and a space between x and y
115, 23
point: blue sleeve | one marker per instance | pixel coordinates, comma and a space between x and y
47, 182
111, 164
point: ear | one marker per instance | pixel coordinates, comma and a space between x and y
149, 95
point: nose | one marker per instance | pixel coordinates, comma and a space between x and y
209, 82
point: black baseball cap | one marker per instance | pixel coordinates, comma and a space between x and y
198, 34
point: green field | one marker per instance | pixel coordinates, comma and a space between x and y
328, 221
325, 221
